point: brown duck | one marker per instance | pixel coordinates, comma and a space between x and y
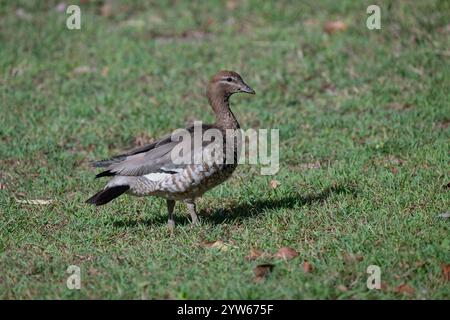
156, 169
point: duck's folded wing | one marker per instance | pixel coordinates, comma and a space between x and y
161, 159
155, 157
124, 156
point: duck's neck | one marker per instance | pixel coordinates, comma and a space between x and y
220, 103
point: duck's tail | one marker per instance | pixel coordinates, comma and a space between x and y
106, 195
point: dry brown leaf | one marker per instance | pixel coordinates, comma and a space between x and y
36, 201
2, 186
404, 288
286, 253
334, 26
342, 288
219, 245
262, 270
254, 254
446, 271
274, 184
307, 267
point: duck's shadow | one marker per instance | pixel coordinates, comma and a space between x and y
243, 211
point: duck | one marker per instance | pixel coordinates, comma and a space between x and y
156, 170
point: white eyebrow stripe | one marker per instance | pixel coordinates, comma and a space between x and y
225, 79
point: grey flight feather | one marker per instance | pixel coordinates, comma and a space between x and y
155, 157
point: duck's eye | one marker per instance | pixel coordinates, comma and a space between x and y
229, 79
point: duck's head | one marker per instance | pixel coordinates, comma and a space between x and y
226, 83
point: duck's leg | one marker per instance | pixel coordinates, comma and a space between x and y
192, 211
170, 206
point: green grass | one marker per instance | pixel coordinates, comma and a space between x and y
372, 107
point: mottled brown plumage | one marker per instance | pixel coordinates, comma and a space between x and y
157, 169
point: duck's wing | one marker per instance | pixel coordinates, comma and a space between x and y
156, 157
124, 156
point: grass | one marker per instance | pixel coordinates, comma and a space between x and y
364, 148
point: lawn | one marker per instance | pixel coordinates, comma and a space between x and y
363, 117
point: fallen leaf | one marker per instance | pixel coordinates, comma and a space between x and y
404, 288
307, 267
36, 201
334, 26
219, 245
262, 270
286, 253
444, 215
446, 271
274, 184
254, 254
2, 186
342, 288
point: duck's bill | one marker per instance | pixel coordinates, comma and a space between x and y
247, 89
